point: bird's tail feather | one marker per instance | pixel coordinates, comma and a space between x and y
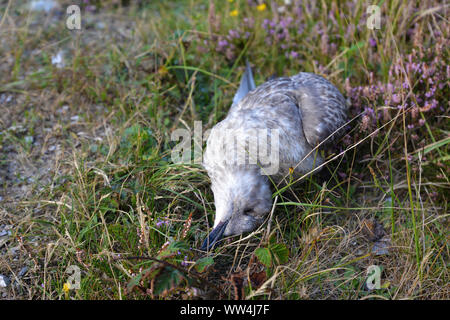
247, 84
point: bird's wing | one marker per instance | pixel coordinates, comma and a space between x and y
323, 108
247, 85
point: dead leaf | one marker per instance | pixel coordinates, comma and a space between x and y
237, 281
372, 229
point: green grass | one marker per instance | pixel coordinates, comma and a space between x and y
96, 187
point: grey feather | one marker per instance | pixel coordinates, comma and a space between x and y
247, 84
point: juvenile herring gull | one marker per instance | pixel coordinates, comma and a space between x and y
291, 115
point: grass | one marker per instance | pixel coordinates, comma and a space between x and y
85, 162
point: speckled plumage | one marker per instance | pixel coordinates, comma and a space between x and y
305, 109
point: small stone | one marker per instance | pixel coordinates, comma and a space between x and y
58, 60
22, 272
63, 109
381, 247
43, 5
4, 281
100, 25
13, 251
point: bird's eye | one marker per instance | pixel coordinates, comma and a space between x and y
247, 211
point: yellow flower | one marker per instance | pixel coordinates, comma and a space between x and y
230, 1
261, 7
234, 13
162, 70
66, 287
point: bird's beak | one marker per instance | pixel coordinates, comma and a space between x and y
214, 236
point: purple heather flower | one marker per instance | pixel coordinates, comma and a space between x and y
433, 103
222, 44
390, 87
184, 262
281, 36
396, 98
233, 34
161, 222
285, 22
350, 30
430, 93
343, 175
298, 11
369, 111
416, 67
333, 47
372, 42
249, 22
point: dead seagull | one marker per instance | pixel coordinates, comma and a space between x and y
303, 110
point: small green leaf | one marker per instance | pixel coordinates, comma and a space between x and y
177, 245
280, 252
134, 282
272, 240
203, 263
264, 256
166, 280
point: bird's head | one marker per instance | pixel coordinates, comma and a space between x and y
243, 200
